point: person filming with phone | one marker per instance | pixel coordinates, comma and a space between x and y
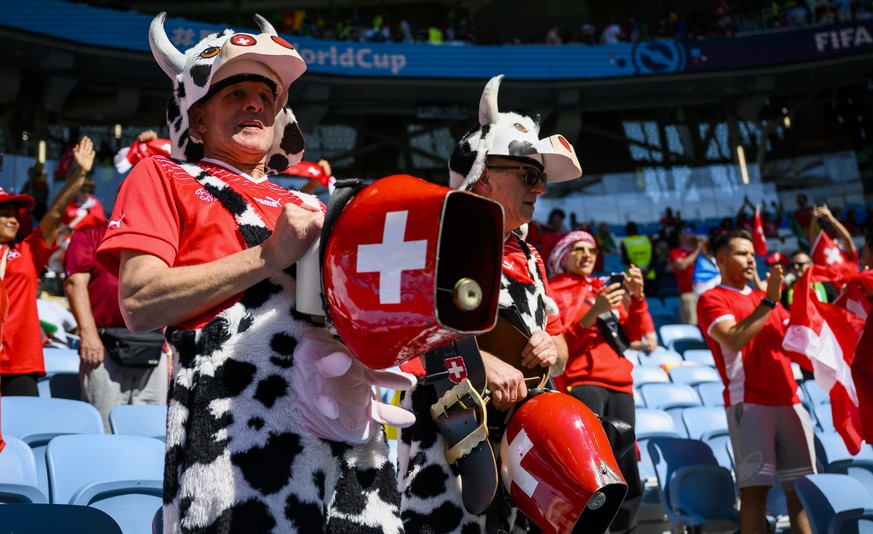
599, 323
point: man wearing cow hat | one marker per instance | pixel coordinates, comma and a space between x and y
206, 245
503, 159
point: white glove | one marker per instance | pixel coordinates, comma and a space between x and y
336, 393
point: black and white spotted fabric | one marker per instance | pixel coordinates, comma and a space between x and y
239, 458
430, 490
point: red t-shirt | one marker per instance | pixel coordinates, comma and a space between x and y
592, 361
81, 257
82, 217
684, 277
21, 351
761, 372
163, 211
803, 217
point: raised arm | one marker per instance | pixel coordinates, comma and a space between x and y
83, 153
153, 294
736, 335
823, 212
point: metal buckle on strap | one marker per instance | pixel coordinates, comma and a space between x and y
464, 395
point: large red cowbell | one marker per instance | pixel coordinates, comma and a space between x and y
557, 464
411, 266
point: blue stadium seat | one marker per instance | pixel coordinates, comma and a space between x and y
859, 469
39, 518
144, 420
19, 482
702, 356
121, 475
853, 522
694, 374
664, 396
672, 332
61, 361
824, 418
815, 393
65, 386
697, 492
649, 375
720, 443
36, 420
832, 446
711, 393
638, 400
702, 420
681, 346
660, 357
651, 423
825, 495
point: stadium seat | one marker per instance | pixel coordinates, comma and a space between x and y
61, 361
659, 358
38, 518
681, 346
825, 495
146, 420
650, 423
835, 449
815, 393
638, 400
36, 420
720, 443
859, 469
19, 482
702, 356
65, 386
697, 492
664, 396
853, 522
121, 475
649, 375
824, 418
711, 393
694, 374
702, 420
671, 332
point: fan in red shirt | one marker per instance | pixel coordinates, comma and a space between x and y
21, 357
85, 209
682, 259
744, 328
596, 373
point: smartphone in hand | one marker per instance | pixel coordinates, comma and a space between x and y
616, 278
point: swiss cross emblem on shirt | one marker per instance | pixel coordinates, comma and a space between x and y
456, 368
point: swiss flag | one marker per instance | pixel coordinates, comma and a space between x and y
862, 373
126, 158
825, 335
825, 252
307, 169
758, 238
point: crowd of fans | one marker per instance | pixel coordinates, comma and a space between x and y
714, 19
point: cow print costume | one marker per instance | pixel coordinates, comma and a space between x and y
239, 456
234, 426
431, 491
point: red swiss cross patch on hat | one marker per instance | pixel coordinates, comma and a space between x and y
242, 39
456, 368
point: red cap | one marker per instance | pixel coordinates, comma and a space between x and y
23, 201
776, 257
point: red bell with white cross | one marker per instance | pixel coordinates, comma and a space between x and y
411, 266
557, 464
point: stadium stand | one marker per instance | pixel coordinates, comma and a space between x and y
826, 495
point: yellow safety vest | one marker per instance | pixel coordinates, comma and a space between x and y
639, 251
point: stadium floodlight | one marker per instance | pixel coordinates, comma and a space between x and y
741, 157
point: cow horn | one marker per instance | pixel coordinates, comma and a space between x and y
265, 25
488, 111
168, 57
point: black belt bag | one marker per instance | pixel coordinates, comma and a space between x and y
132, 349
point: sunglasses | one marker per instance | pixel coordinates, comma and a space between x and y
532, 175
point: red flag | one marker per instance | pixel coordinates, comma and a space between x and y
758, 238
826, 335
127, 157
825, 252
65, 163
307, 169
862, 373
